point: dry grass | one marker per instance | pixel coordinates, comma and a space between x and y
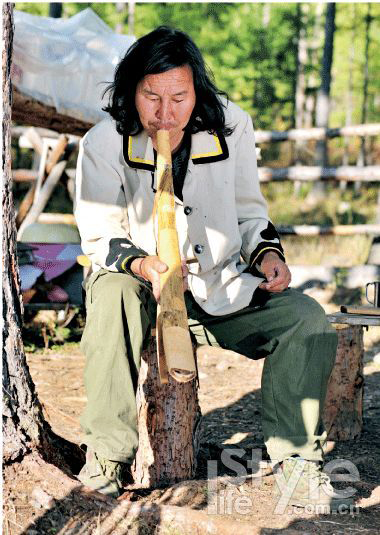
337, 251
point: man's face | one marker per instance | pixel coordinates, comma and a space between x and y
166, 101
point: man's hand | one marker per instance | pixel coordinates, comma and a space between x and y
276, 272
150, 267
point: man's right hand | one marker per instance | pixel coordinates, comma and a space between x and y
149, 268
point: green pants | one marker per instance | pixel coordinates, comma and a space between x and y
289, 329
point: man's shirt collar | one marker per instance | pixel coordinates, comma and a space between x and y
205, 148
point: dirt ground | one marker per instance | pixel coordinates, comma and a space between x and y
37, 499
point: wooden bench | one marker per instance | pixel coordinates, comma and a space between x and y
343, 412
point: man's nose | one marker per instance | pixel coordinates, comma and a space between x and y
164, 111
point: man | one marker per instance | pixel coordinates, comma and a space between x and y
238, 280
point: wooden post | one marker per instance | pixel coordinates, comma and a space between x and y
343, 412
168, 418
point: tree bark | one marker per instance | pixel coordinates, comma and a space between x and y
343, 411
168, 418
24, 426
22, 415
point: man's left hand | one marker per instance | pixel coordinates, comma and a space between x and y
276, 272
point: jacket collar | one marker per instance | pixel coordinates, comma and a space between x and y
205, 148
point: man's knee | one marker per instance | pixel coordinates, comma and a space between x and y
114, 286
307, 310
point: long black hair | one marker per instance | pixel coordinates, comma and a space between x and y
159, 51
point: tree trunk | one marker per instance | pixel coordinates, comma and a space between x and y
266, 15
301, 81
323, 97
300, 90
362, 159
349, 106
343, 411
22, 415
168, 418
131, 17
55, 10
24, 426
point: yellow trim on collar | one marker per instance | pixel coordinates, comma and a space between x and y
136, 160
218, 152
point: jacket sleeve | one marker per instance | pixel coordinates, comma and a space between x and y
101, 212
257, 231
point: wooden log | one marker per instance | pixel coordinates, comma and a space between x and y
25, 205
52, 219
41, 170
370, 173
24, 175
44, 196
18, 131
343, 411
168, 423
37, 143
57, 152
35, 139
29, 198
310, 134
337, 230
28, 110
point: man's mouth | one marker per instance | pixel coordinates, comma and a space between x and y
162, 125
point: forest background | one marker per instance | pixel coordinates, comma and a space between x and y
268, 58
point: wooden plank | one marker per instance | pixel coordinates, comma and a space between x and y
354, 319
370, 173
310, 134
337, 230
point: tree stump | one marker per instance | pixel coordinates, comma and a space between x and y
343, 412
168, 418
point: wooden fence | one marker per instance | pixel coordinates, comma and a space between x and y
42, 139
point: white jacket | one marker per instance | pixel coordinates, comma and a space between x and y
222, 221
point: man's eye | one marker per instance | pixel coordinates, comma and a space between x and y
178, 100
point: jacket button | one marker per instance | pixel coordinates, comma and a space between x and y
188, 210
199, 248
